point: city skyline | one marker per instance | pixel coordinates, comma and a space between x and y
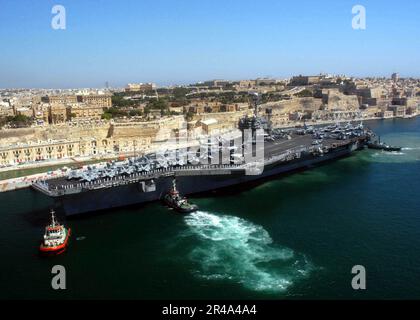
172, 43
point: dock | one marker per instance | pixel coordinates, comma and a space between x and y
28, 181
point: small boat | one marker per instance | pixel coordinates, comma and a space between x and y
56, 237
391, 148
378, 145
383, 146
178, 203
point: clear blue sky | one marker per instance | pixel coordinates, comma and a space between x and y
182, 41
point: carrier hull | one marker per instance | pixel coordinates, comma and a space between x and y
133, 194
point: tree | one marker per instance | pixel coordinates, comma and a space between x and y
114, 112
119, 101
107, 116
180, 93
19, 120
304, 94
158, 104
134, 113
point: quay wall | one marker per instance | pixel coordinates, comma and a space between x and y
26, 182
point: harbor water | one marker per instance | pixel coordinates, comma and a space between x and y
293, 237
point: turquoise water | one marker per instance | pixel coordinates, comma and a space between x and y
296, 237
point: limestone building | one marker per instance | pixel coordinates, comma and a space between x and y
82, 111
140, 87
99, 100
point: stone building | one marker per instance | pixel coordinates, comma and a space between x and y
199, 107
398, 110
65, 141
226, 120
82, 111
99, 100
57, 113
336, 100
41, 112
140, 87
386, 114
37, 151
60, 99
279, 118
247, 84
25, 111
210, 125
216, 83
303, 105
305, 80
6, 111
370, 96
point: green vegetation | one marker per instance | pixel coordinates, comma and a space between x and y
180, 93
119, 101
19, 120
231, 97
223, 97
134, 113
274, 96
158, 104
107, 116
267, 84
114, 112
304, 94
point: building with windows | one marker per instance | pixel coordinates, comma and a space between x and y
140, 87
60, 99
99, 100
305, 80
57, 113
399, 111
83, 111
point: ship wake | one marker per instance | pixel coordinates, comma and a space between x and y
233, 249
410, 152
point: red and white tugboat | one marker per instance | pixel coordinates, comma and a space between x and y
174, 200
56, 237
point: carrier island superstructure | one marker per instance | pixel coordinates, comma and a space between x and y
217, 163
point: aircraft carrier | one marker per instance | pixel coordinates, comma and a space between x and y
217, 163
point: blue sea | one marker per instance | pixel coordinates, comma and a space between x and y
293, 237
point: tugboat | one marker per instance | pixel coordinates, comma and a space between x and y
383, 146
175, 201
56, 238
378, 145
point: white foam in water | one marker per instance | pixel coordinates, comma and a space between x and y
231, 248
410, 149
410, 143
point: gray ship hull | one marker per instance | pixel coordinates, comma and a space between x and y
133, 194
